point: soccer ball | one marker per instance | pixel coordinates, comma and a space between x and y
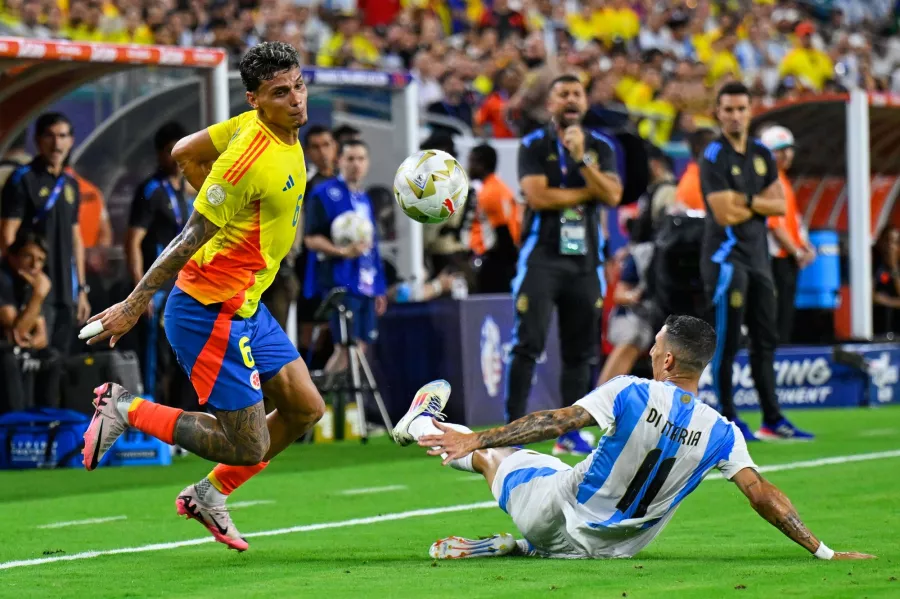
351, 227
431, 186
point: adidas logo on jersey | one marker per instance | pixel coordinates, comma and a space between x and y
289, 184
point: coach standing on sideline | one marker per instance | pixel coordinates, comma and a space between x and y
565, 173
41, 197
739, 179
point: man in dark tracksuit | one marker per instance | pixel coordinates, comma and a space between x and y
565, 173
739, 179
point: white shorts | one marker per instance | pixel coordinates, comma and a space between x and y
529, 486
538, 493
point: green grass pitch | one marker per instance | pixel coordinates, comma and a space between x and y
371, 547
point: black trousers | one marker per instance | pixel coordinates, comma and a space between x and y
29, 378
576, 296
784, 273
739, 296
61, 327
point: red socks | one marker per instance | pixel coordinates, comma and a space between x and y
153, 419
228, 478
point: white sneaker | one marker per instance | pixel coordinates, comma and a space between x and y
429, 401
459, 548
216, 519
107, 425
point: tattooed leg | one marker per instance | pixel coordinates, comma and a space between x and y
238, 438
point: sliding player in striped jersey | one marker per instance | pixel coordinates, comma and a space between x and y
251, 176
660, 442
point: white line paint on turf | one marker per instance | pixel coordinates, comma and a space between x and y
841, 459
878, 432
265, 533
82, 522
370, 490
239, 504
862, 457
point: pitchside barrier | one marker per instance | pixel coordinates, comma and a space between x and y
469, 343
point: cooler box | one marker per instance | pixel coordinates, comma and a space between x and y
819, 284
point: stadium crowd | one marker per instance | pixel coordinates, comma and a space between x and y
649, 67
485, 63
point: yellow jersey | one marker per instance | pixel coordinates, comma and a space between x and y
253, 194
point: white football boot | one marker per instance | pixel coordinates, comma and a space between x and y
429, 401
108, 424
459, 548
216, 519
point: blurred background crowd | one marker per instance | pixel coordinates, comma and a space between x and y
488, 63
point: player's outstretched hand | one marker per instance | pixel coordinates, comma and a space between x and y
846, 555
116, 320
452, 443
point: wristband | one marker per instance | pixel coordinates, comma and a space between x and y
437, 287
750, 201
823, 552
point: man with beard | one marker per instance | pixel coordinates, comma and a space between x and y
565, 173
739, 179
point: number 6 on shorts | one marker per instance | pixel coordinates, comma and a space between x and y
244, 346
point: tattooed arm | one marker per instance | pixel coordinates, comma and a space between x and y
539, 426
773, 505
120, 318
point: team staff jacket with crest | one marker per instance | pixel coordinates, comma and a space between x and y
48, 205
722, 168
542, 153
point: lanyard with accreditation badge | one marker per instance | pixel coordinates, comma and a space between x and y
367, 270
51, 201
173, 200
572, 232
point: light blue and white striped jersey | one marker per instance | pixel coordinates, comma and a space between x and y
660, 443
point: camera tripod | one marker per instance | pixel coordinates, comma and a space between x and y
359, 365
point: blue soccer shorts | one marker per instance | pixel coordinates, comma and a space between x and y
227, 358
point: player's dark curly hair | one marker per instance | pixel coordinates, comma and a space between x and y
691, 340
263, 61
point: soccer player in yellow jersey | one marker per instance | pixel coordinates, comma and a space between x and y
251, 176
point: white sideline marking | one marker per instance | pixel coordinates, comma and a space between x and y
878, 432
265, 533
239, 504
841, 459
80, 522
861, 457
369, 490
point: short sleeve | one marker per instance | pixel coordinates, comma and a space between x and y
142, 207
530, 160
76, 192
737, 457
601, 402
316, 219
221, 133
228, 188
712, 179
606, 154
13, 198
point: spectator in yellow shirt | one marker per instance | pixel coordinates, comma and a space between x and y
347, 45
723, 61
620, 21
805, 62
134, 31
84, 23
588, 24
